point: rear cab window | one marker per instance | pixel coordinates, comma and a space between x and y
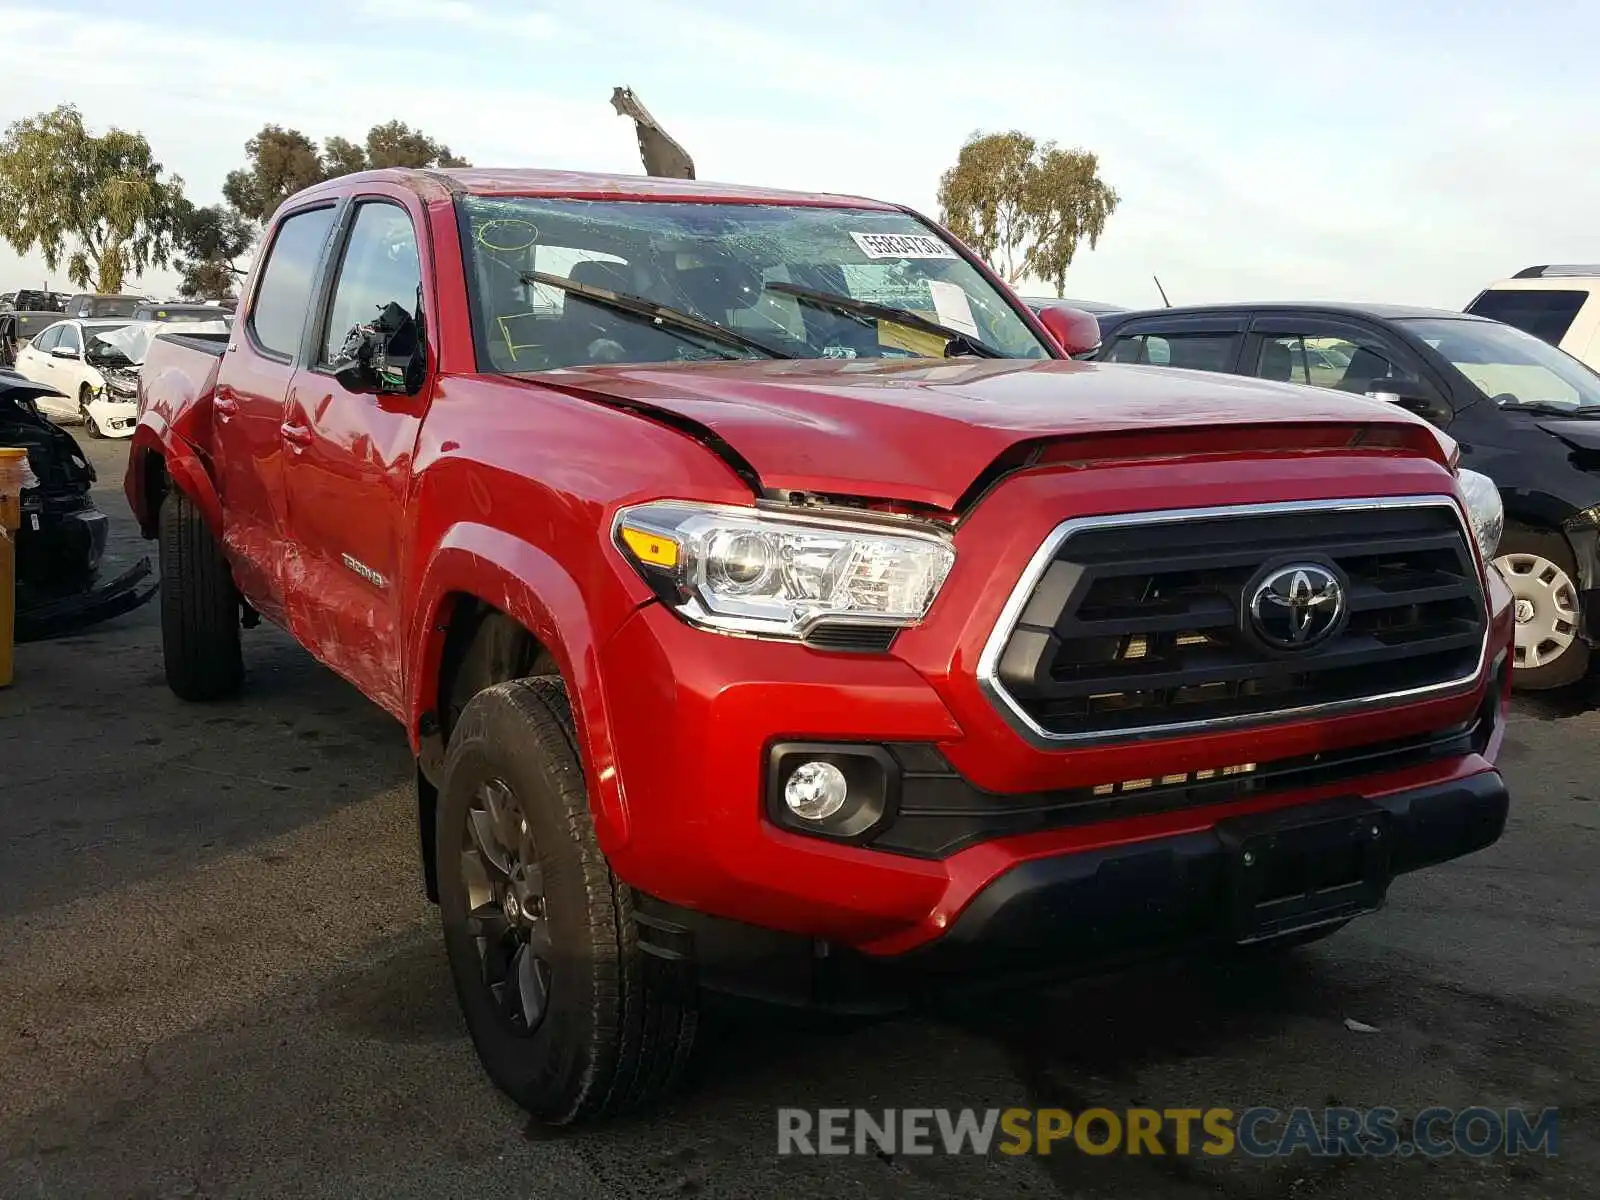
283, 297
1547, 313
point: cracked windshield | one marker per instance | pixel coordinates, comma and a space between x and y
718, 281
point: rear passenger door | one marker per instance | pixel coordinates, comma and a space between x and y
253, 389
1196, 343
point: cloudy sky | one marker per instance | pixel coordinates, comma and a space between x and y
1406, 152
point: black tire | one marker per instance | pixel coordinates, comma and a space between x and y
1572, 664
619, 1022
199, 606
90, 429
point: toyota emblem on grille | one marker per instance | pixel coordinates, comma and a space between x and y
1297, 606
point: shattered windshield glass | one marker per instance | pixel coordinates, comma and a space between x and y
717, 262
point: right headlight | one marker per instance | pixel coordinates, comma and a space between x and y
1484, 511
756, 571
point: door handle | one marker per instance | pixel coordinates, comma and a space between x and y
296, 435
224, 407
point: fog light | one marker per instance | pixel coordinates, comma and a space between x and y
816, 791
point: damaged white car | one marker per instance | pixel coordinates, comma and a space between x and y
113, 410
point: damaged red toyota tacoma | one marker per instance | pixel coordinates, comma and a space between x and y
774, 608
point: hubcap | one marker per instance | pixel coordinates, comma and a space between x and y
1546, 607
505, 905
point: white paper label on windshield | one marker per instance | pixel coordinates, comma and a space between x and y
950, 302
902, 245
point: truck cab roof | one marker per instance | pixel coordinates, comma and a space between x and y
481, 181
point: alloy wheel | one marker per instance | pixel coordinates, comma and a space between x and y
506, 906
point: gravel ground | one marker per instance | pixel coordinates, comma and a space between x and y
218, 977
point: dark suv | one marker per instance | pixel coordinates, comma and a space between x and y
1524, 413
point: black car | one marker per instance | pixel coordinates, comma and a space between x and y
1524, 413
63, 534
90, 306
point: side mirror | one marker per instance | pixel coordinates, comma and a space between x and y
1412, 395
386, 357
63, 352
1075, 331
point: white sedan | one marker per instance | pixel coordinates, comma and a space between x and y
95, 364
73, 358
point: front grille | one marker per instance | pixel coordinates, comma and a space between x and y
1138, 625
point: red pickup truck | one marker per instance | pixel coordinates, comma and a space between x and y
774, 608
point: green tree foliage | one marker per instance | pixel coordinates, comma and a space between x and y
99, 203
1025, 206
211, 241
279, 163
282, 161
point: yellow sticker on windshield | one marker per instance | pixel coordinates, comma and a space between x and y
916, 341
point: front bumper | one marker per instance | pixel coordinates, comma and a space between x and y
691, 735
114, 415
1079, 913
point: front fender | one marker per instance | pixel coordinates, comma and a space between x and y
152, 438
532, 588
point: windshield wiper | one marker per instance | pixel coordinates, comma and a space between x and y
653, 313
852, 307
1554, 410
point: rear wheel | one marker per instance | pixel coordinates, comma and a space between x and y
570, 1015
1538, 567
199, 606
85, 398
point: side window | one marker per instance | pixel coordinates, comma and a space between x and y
1141, 348
1191, 351
69, 339
278, 315
47, 340
380, 268
1350, 364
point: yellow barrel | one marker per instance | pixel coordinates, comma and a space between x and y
13, 474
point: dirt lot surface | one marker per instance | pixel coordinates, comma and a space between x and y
218, 977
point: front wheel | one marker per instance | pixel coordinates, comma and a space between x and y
85, 398
1538, 567
570, 1014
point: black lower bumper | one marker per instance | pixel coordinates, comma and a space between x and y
1103, 903
1260, 878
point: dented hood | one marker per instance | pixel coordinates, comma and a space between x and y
924, 430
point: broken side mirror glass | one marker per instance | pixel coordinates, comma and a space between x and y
386, 357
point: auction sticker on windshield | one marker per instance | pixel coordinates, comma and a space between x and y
902, 245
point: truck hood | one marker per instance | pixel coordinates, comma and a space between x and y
923, 430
